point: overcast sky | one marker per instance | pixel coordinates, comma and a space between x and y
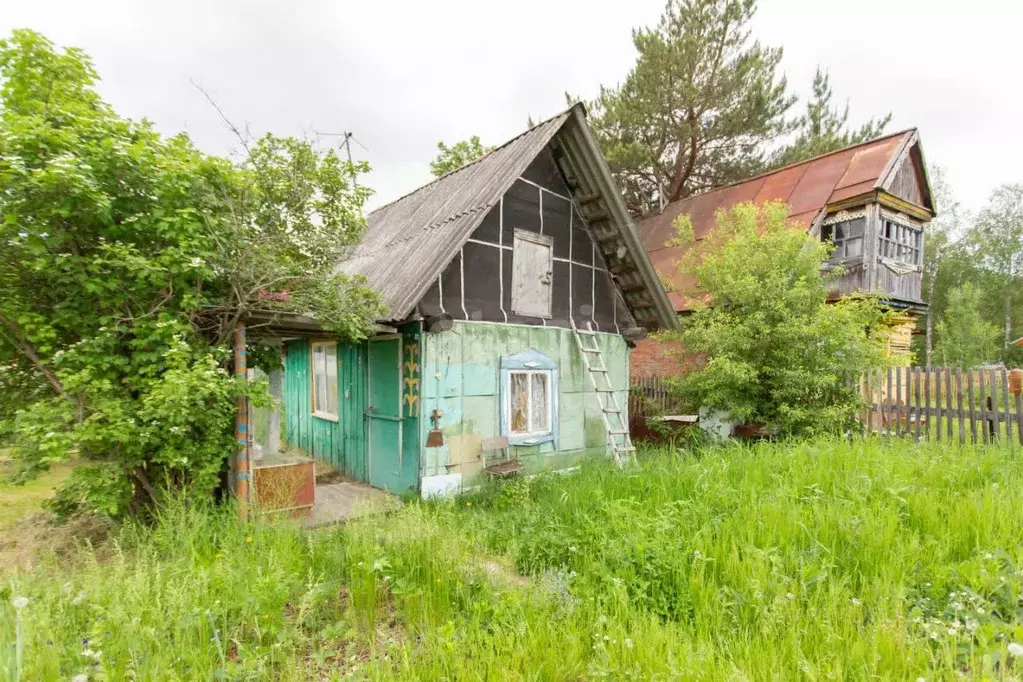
403, 75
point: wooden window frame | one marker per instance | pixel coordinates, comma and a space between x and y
322, 414
905, 239
549, 377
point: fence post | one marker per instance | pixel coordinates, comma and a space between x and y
1016, 387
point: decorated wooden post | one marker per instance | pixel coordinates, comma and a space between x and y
240, 468
1016, 388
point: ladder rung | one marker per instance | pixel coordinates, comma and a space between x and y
626, 448
613, 432
589, 350
599, 369
609, 410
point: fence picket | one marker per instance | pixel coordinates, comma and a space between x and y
927, 401
994, 407
982, 407
898, 402
916, 402
973, 406
948, 404
1019, 417
1009, 402
937, 405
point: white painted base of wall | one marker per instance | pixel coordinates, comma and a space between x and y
445, 485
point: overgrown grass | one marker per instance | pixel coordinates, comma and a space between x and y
803, 561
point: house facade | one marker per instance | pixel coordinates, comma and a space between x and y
872, 200
514, 287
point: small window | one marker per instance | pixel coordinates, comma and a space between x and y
324, 374
529, 398
530, 403
847, 236
901, 243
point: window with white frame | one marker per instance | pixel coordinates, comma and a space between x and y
529, 398
901, 243
324, 375
529, 402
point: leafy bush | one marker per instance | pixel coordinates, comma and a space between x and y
773, 349
128, 259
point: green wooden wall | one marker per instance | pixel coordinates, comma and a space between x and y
461, 377
341, 443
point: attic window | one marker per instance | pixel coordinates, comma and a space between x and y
900, 243
847, 236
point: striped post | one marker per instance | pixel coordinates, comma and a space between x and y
240, 470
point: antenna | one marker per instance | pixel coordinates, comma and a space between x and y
349, 137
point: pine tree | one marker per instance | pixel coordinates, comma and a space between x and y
825, 127
697, 108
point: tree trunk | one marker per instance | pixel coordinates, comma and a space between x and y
1008, 315
930, 309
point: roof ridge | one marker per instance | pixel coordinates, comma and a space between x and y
477, 159
786, 167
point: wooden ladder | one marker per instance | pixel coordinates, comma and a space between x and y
615, 426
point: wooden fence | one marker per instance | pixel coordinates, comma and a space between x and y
652, 397
944, 403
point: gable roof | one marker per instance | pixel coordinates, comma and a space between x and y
410, 241
808, 187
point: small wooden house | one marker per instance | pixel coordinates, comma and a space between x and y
871, 199
513, 286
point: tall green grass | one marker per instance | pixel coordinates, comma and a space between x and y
820, 560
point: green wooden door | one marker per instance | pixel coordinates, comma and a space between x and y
387, 470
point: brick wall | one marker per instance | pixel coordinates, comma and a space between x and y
653, 358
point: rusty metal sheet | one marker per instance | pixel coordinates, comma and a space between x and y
818, 183
807, 188
779, 186
869, 161
852, 191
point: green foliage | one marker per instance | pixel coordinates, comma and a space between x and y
127, 260
775, 350
831, 559
696, 109
965, 338
996, 240
824, 127
457, 155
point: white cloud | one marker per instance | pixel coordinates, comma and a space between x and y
403, 75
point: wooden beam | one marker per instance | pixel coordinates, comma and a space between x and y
892, 201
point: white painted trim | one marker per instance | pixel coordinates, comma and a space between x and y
549, 374
479, 242
461, 275
541, 187
440, 292
500, 254
571, 229
529, 326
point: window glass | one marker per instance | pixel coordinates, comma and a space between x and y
519, 402
538, 401
324, 375
529, 402
847, 236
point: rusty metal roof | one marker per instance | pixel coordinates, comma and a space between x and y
410, 241
808, 187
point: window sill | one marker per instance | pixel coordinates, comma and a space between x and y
325, 416
525, 440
